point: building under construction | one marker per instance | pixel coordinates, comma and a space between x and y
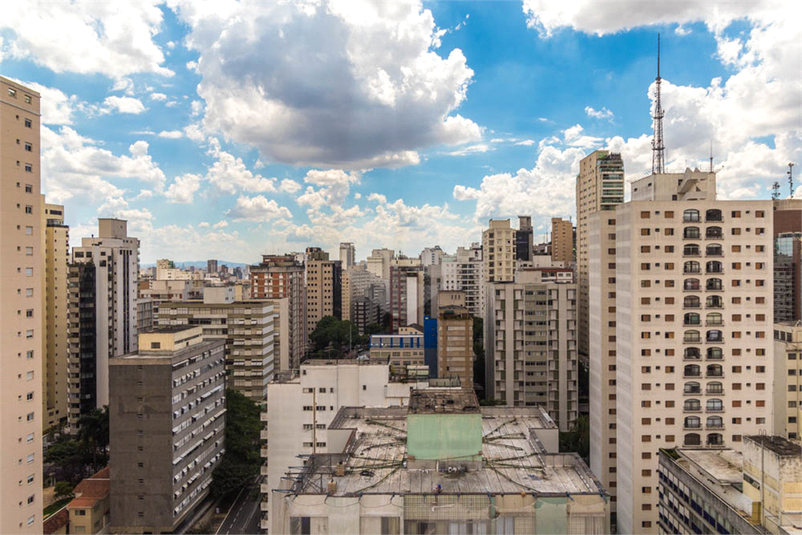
442, 465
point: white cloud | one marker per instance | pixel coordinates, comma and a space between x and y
110, 38
221, 224
603, 113
195, 133
318, 85
257, 209
74, 167
184, 188
334, 187
471, 149
290, 186
526, 142
203, 224
57, 107
124, 84
171, 134
160, 97
122, 105
574, 137
230, 174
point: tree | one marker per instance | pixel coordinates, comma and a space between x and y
63, 489
333, 334
577, 439
93, 437
241, 462
479, 351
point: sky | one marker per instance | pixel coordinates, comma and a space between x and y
233, 129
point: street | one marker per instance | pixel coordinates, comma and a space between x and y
244, 515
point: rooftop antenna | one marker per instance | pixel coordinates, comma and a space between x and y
791, 179
711, 155
658, 147
775, 191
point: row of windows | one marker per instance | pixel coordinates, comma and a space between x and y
692, 215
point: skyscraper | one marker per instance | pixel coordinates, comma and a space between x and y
56, 249
562, 240
323, 288
103, 293
211, 267
498, 247
599, 188
347, 255
21, 262
524, 238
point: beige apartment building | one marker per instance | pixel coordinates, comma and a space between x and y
465, 272
347, 255
455, 339
356, 284
21, 311
694, 321
55, 279
498, 248
282, 277
562, 240
599, 188
530, 345
788, 379
323, 290
248, 328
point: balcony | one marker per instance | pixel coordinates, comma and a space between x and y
692, 340
714, 391
263, 505
263, 469
264, 488
692, 392
263, 434
713, 234
691, 410
691, 374
714, 425
689, 426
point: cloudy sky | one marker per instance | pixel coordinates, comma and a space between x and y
227, 129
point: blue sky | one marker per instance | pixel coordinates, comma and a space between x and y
230, 130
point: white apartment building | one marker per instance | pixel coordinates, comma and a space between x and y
103, 323
788, 379
498, 246
693, 320
530, 346
432, 256
21, 311
465, 272
302, 404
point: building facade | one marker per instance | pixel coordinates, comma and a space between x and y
530, 346
21, 336
102, 313
278, 277
465, 273
788, 379
599, 188
498, 250
410, 299
400, 350
693, 323
562, 240
455, 342
55, 278
166, 428
323, 290
247, 327
524, 238
302, 404
347, 255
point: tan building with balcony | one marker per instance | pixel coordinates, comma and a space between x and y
498, 250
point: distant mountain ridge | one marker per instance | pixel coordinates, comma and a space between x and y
199, 264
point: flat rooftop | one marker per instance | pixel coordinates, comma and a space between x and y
168, 329
430, 401
341, 362
719, 471
779, 445
513, 461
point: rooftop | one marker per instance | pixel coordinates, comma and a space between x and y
168, 329
91, 490
432, 401
375, 459
779, 445
342, 362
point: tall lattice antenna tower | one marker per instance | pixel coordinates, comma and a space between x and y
791, 179
775, 191
658, 147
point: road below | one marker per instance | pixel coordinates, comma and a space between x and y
244, 515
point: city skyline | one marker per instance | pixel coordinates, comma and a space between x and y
495, 105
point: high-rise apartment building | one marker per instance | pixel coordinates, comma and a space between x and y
455, 339
599, 188
102, 313
347, 255
787, 260
431, 256
21, 311
211, 267
248, 328
524, 238
379, 262
562, 240
465, 272
530, 345
788, 379
694, 322
358, 282
56, 250
323, 288
278, 277
166, 428
498, 249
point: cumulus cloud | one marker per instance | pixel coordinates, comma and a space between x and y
171, 134
290, 186
343, 84
229, 174
257, 208
183, 189
110, 38
122, 105
74, 167
603, 113
526, 142
160, 97
334, 187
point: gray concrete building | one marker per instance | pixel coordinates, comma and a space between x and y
167, 426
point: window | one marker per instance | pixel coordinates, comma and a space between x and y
28, 123
28, 168
12, 93
28, 147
